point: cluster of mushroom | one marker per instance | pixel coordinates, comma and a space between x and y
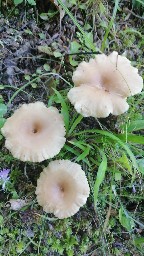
36, 133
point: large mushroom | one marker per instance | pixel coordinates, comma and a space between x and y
34, 132
62, 188
103, 84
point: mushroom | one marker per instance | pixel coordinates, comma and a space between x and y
34, 132
62, 188
103, 84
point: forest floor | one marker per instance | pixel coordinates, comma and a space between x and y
40, 47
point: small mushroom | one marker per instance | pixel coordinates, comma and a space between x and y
103, 84
62, 188
34, 132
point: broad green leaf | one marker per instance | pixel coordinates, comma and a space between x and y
74, 47
139, 241
44, 16
125, 163
141, 165
135, 126
45, 49
31, 2
46, 67
100, 176
57, 54
16, 2
138, 139
1, 220
3, 110
125, 220
64, 109
72, 61
117, 176
89, 35
2, 121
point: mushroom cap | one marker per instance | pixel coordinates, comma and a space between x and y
34, 132
62, 188
103, 84
113, 73
90, 101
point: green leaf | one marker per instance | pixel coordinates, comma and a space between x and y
73, 62
138, 139
125, 162
119, 141
135, 126
64, 109
31, 2
3, 110
89, 35
141, 165
46, 67
75, 123
44, 16
2, 121
57, 54
74, 47
83, 155
100, 176
1, 220
125, 220
27, 77
45, 49
16, 2
139, 241
117, 176
75, 152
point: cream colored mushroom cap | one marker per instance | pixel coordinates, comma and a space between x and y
62, 188
34, 132
90, 101
113, 73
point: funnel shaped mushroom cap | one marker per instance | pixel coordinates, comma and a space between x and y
113, 73
90, 101
34, 132
62, 188
103, 84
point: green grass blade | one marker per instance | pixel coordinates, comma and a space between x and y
119, 141
137, 139
135, 126
64, 109
83, 155
109, 26
100, 176
75, 123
